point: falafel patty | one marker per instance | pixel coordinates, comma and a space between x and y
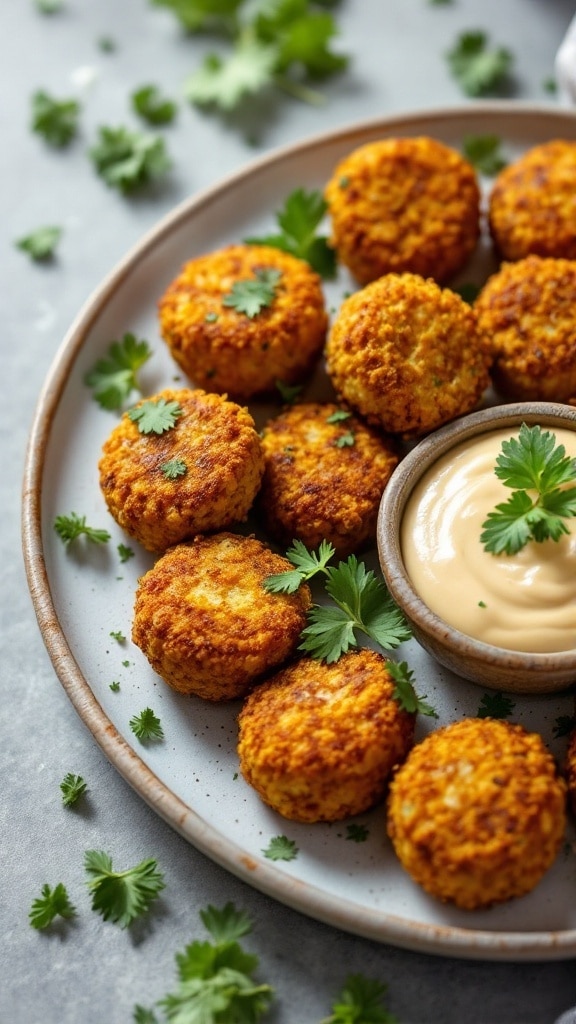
528, 309
477, 812
200, 475
318, 742
404, 204
570, 769
224, 349
205, 622
324, 474
532, 205
407, 354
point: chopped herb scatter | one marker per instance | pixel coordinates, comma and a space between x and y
173, 469
361, 1002
118, 635
114, 376
149, 103
478, 68
288, 392
115, 686
121, 896
345, 440
404, 692
254, 294
155, 417
70, 527
51, 904
564, 725
124, 552
128, 160
357, 833
40, 244
281, 848
298, 220
495, 705
484, 153
49, 6
73, 787
468, 291
338, 416
147, 726
538, 470
55, 120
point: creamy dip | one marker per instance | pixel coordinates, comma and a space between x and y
522, 602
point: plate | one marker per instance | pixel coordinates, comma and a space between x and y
85, 593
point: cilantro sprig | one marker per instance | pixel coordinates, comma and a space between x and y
484, 152
40, 244
147, 726
252, 295
478, 67
362, 603
55, 120
155, 416
538, 469
281, 848
404, 691
128, 160
114, 376
495, 705
72, 526
50, 904
298, 220
152, 106
72, 788
361, 1002
122, 896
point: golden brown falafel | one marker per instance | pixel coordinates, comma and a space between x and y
324, 474
477, 812
407, 354
570, 769
223, 349
404, 204
532, 205
200, 475
318, 742
528, 309
205, 622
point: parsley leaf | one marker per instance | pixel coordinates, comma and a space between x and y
495, 705
360, 1002
197, 15
483, 152
52, 903
143, 1015
531, 463
125, 552
55, 120
126, 159
216, 980
476, 67
299, 217
307, 564
254, 294
70, 527
155, 416
121, 896
281, 848
40, 244
147, 725
73, 787
173, 469
154, 108
224, 82
357, 833
346, 440
404, 691
114, 376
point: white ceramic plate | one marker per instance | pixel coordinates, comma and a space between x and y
83, 594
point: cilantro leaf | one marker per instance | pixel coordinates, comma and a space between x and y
114, 376
73, 787
224, 82
281, 848
360, 1002
307, 564
357, 833
227, 924
40, 244
198, 15
173, 469
52, 903
477, 68
125, 552
495, 705
55, 120
338, 416
155, 416
346, 440
70, 527
564, 725
127, 160
149, 104
483, 152
299, 218
303, 38
531, 462
288, 392
143, 1015
121, 896
404, 691
147, 725
252, 295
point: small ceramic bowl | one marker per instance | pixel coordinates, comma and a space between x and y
472, 659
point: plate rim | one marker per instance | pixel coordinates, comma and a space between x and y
444, 940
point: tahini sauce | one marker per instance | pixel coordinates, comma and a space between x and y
522, 602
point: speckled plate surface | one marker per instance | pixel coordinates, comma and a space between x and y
85, 593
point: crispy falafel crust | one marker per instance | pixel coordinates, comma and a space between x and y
218, 443
224, 350
323, 477
407, 354
205, 622
528, 309
477, 812
532, 205
318, 741
570, 769
404, 204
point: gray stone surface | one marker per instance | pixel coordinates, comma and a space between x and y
94, 973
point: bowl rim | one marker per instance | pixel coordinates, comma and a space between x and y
395, 496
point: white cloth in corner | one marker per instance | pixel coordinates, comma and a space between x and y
565, 69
